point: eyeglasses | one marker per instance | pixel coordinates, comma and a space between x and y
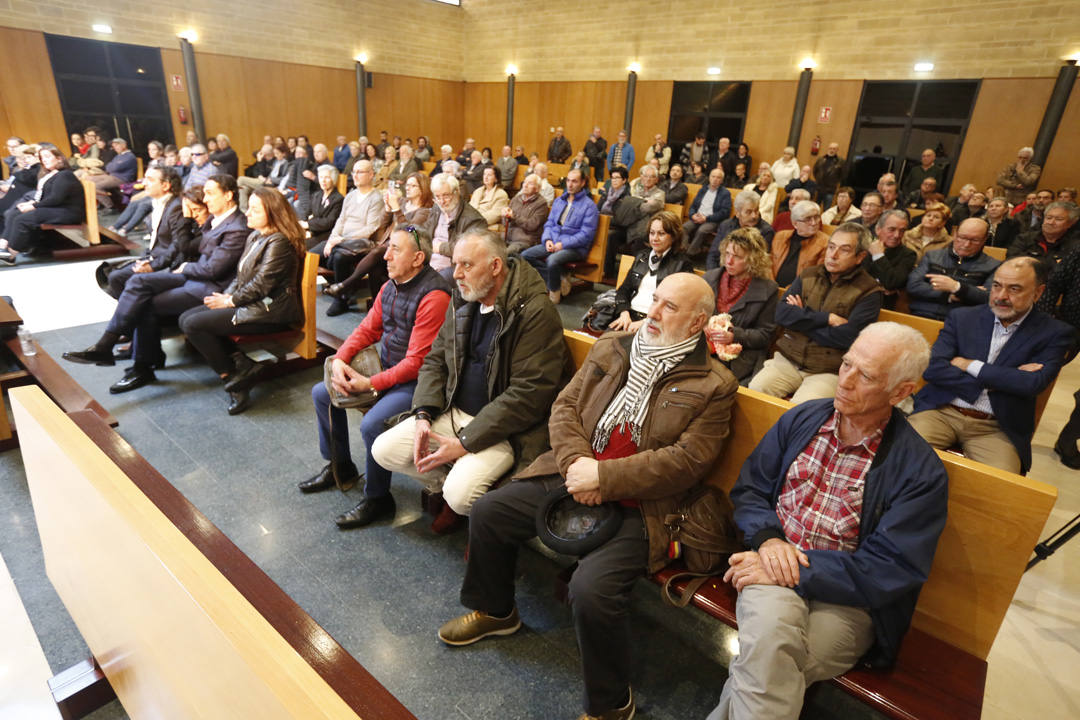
197, 154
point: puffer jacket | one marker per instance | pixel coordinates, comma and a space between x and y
528, 365
683, 433
266, 288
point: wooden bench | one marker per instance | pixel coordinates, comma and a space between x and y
182, 623
994, 520
591, 269
429, 166
24, 684
998, 253
86, 237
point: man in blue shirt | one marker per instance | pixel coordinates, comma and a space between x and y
568, 235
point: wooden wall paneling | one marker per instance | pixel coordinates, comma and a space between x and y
1060, 168
225, 97
843, 97
652, 112
768, 119
29, 102
485, 116
1009, 108
172, 63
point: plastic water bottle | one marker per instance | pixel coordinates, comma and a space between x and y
26, 340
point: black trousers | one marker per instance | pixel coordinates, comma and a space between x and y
341, 261
209, 330
599, 589
118, 280
146, 299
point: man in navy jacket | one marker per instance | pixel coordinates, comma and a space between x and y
711, 206
568, 235
842, 504
988, 365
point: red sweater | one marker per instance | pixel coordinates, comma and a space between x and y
429, 318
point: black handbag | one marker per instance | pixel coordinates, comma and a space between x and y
702, 533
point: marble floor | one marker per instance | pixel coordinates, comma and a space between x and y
383, 591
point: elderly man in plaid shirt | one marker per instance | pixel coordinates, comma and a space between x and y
842, 504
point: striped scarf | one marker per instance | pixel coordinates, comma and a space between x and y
648, 363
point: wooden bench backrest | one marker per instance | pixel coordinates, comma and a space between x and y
677, 209
595, 257
691, 193
343, 184
90, 196
927, 327
139, 168
625, 263
173, 634
556, 172
522, 171
429, 166
994, 521
306, 348
998, 253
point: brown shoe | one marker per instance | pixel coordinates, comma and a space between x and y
447, 521
626, 712
469, 628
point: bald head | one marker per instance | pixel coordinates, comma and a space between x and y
682, 304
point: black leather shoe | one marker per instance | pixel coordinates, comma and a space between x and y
134, 378
90, 356
239, 401
243, 377
337, 290
367, 511
324, 479
122, 352
1068, 459
338, 307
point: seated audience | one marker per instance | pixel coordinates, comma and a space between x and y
405, 166
389, 163
742, 155
547, 191
22, 182
954, 276
121, 169
615, 189
767, 191
746, 216
1003, 229
58, 199
710, 207
795, 250
664, 257
1021, 177
962, 198
621, 152
844, 210
674, 188
782, 221
568, 235
661, 151
404, 319
525, 217
870, 210
1067, 194
355, 154
975, 207
447, 164
920, 196
1030, 217
452, 216
696, 175
917, 175
270, 171
507, 167
473, 177
325, 207
1058, 236
629, 229
930, 234
802, 182
485, 389
225, 158
263, 297
821, 314
841, 505
167, 293
988, 366
738, 178
786, 168
580, 162
13, 145
614, 442
490, 199
725, 157
559, 150
889, 260
423, 150
745, 291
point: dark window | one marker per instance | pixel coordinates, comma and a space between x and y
729, 97
76, 56
887, 99
717, 109
953, 100
134, 62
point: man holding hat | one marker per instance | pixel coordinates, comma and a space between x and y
637, 428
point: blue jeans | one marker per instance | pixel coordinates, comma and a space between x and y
550, 265
334, 422
134, 214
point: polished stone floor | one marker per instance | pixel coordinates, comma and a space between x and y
383, 591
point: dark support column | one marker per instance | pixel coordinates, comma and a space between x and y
631, 89
1054, 110
194, 97
510, 109
800, 109
361, 99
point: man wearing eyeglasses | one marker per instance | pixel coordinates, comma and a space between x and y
13, 143
201, 167
955, 276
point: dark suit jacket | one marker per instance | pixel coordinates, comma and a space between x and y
177, 240
322, 219
219, 251
967, 332
62, 200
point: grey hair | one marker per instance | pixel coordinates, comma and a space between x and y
652, 171
198, 147
790, 148
746, 197
911, 352
446, 181
328, 170
419, 237
223, 136
804, 208
891, 213
495, 245
446, 148
973, 186
1029, 151
1071, 208
536, 168
861, 232
796, 196
321, 145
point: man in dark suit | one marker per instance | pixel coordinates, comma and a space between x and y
170, 232
987, 367
167, 293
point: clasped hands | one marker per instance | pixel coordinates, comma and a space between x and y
552, 246
424, 458
834, 319
776, 562
346, 380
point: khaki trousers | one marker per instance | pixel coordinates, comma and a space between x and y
982, 440
786, 643
780, 378
462, 483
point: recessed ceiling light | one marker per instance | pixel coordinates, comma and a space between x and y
362, 58
713, 70
511, 69
924, 66
101, 28
634, 67
807, 63
190, 35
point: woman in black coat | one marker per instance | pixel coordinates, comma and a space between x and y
1003, 229
23, 180
263, 298
674, 188
325, 208
746, 291
664, 257
58, 200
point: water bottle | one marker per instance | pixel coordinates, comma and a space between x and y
26, 340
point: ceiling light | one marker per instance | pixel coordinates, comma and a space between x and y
807, 63
361, 58
713, 70
190, 35
511, 69
101, 28
634, 67
924, 66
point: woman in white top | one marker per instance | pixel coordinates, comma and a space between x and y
767, 189
786, 168
664, 257
490, 199
844, 210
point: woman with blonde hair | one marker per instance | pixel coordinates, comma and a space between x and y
930, 234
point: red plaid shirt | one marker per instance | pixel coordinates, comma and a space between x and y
820, 504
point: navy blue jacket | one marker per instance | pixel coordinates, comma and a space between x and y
1012, 392
905, 500
219, 251
124, 166
721, 207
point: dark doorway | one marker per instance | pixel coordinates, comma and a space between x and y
120, 88
717, 109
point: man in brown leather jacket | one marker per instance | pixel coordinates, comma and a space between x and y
639, 425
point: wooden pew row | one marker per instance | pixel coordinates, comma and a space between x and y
86, 237
182, 623
24, 686
994, 520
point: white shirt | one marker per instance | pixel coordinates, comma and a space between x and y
218, 219
784, 172
157, 211
998, 337
642, 300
